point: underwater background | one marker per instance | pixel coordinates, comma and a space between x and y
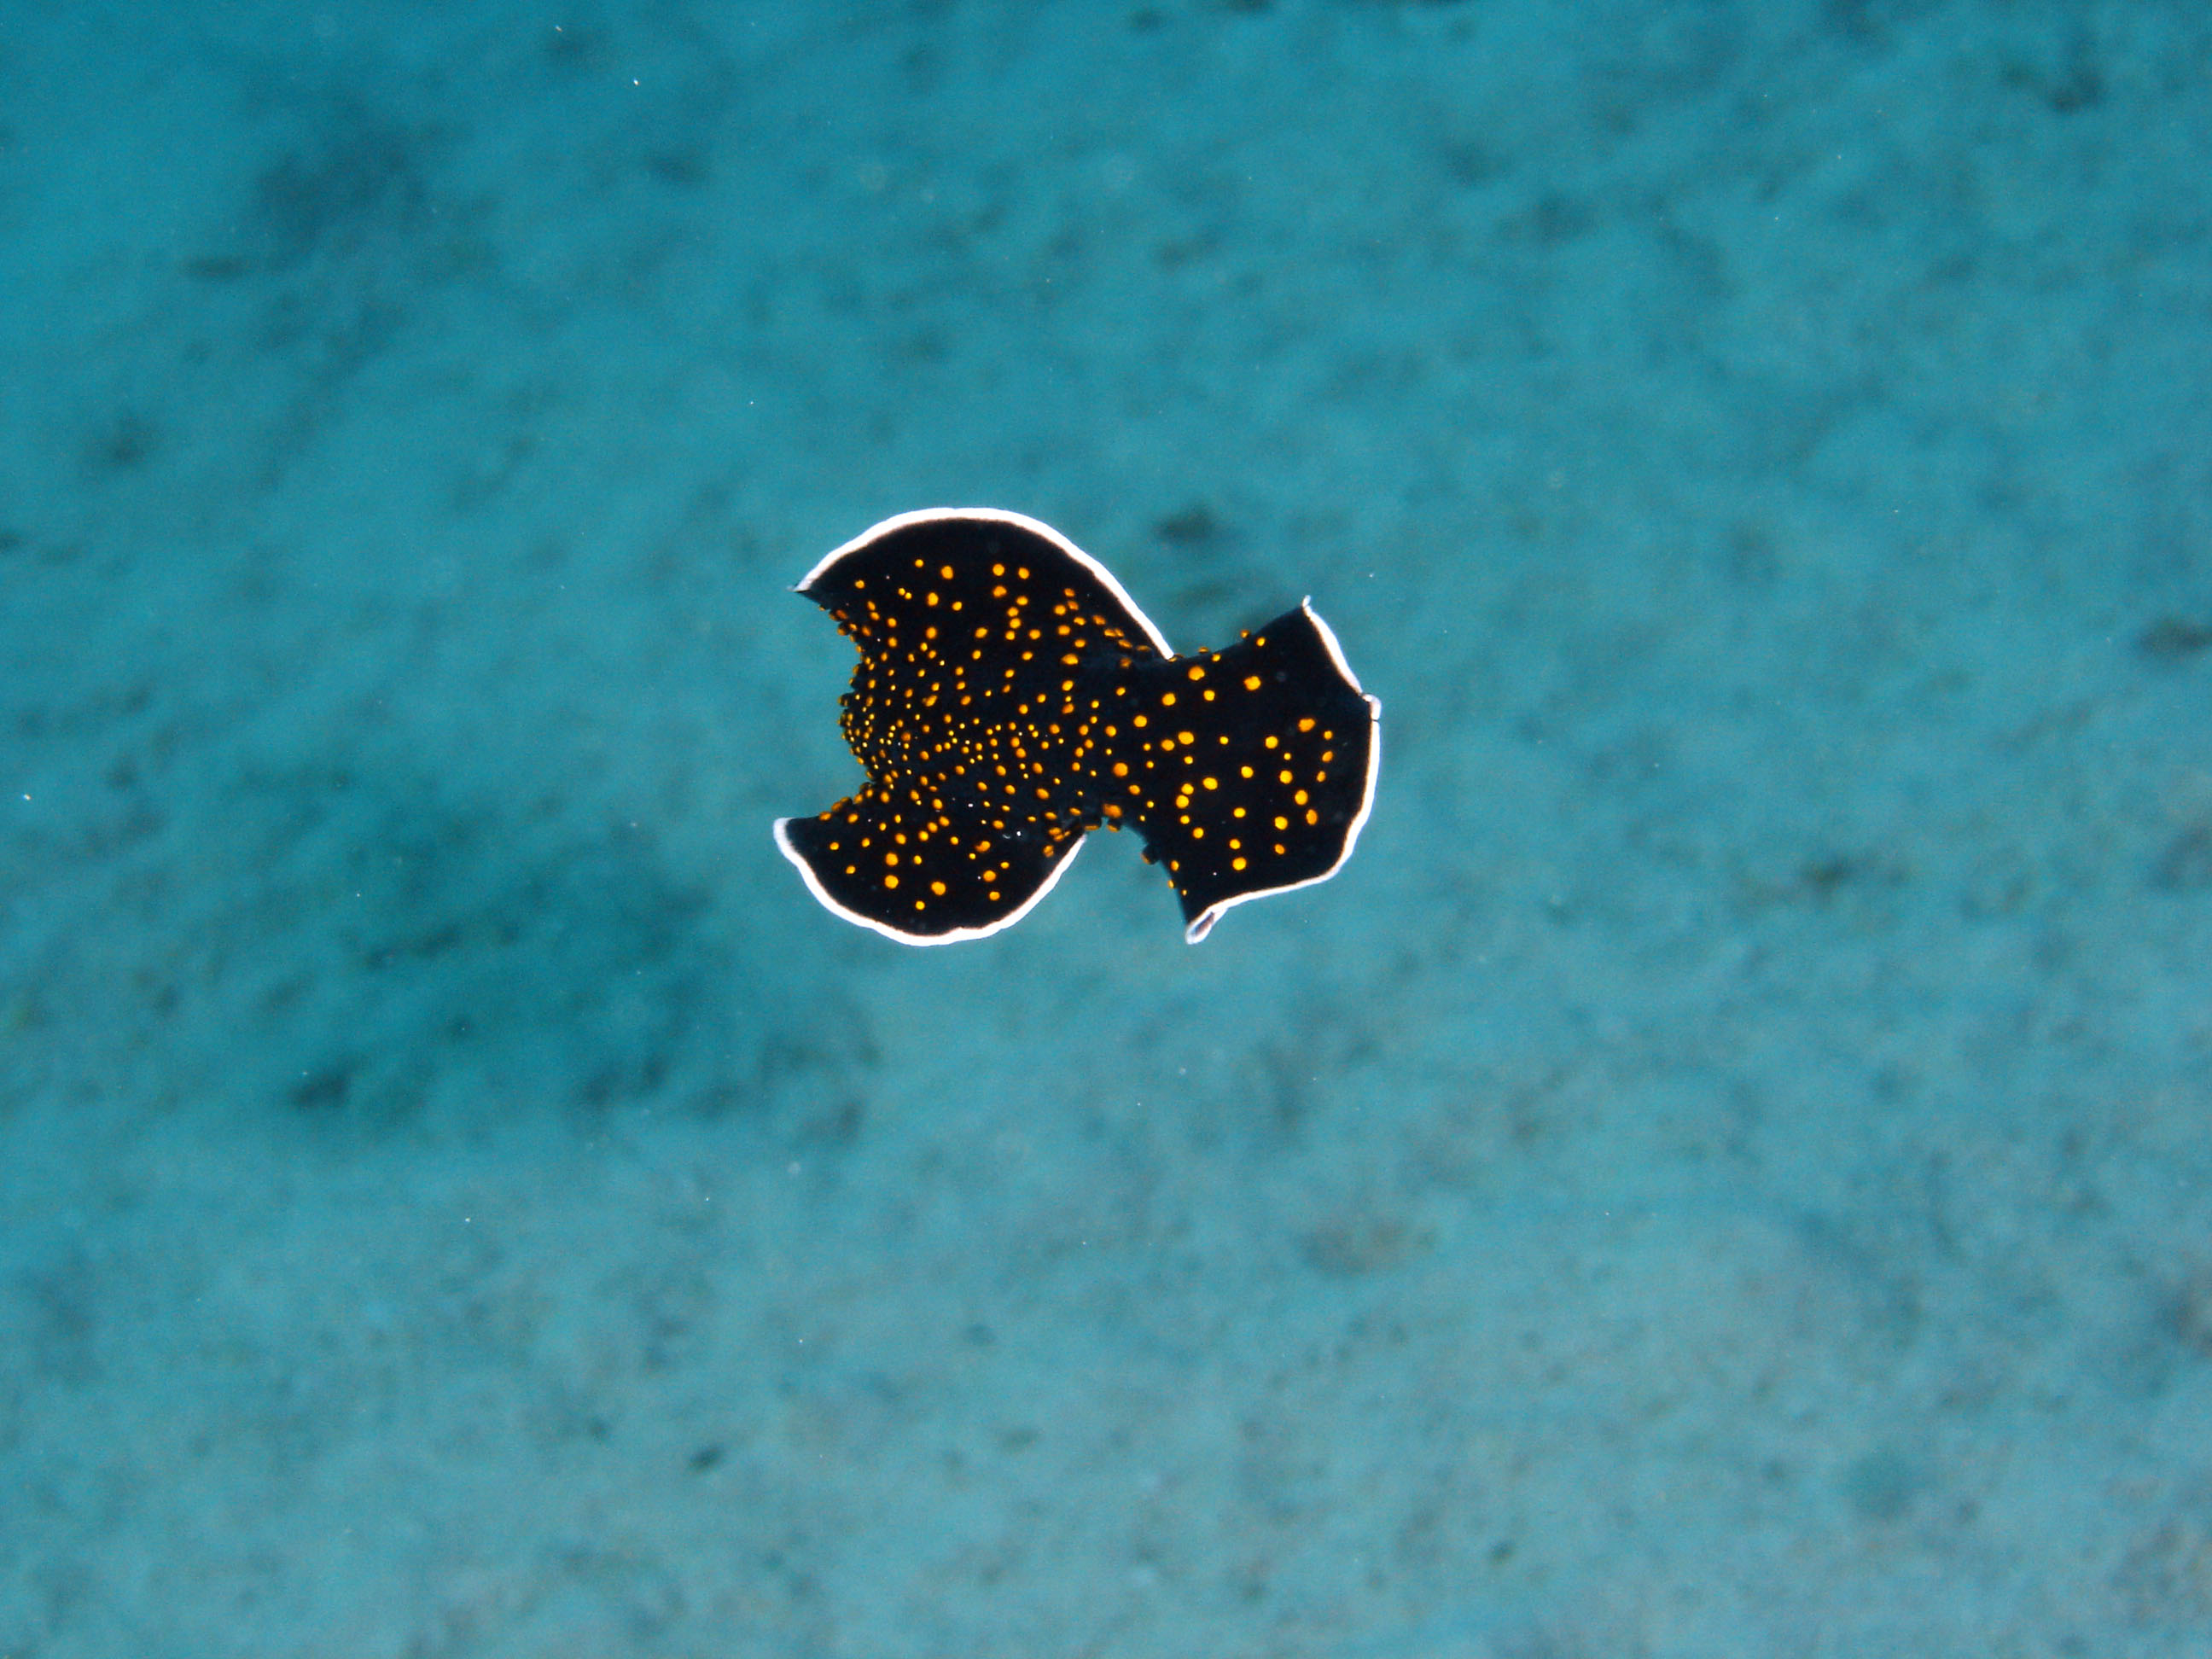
1724, 1170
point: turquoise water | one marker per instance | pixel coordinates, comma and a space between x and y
1724, 1170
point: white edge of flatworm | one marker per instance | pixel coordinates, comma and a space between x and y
957, 935
996, 515
1199, 928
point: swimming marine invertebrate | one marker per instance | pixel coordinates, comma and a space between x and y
1011, 698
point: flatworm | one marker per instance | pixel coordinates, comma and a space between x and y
1011, 698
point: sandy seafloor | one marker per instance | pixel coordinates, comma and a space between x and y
1727, 1170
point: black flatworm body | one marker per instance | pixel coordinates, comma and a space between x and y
1011, 698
